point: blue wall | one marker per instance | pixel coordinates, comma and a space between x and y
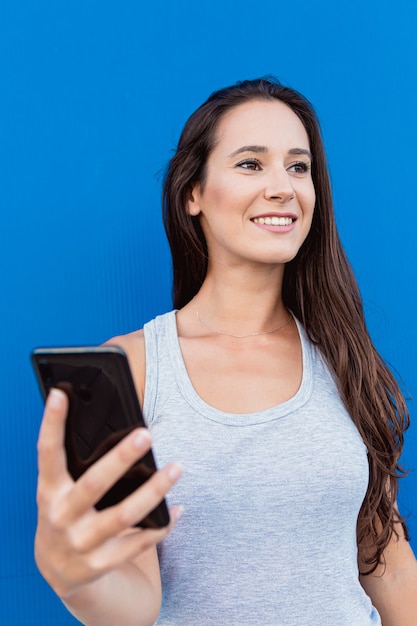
93, 95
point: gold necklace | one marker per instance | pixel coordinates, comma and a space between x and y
219, 332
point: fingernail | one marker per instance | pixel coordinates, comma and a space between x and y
174, 471
177, 512
55, 398
141, 437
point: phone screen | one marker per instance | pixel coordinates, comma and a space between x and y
103, 408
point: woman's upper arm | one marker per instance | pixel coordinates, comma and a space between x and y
134, 346
393, 586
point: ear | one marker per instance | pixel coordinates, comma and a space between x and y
193, 202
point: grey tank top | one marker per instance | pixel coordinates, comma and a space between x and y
271, 499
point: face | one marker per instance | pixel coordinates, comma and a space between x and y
257, 201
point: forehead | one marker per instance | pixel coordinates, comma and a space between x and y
270, 123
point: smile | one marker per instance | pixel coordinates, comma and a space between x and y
273, 221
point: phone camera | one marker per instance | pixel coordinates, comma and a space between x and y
85, 396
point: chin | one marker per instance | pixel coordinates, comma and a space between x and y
279, 259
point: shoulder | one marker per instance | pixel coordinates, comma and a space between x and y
133, 345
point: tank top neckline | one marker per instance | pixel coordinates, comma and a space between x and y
239, 419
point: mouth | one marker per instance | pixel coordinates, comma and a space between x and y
274, 220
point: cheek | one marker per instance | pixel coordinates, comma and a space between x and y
307, 199
312, 204
220, 191
307, 203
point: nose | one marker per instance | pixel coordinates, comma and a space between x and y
279, 186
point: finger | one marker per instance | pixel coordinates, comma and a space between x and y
114, 553
51, 455
105, 472
142, 501
112, 521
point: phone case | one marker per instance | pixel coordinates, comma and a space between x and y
103, 408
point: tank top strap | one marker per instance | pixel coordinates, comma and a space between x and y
157, 335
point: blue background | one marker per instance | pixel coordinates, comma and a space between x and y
93, 95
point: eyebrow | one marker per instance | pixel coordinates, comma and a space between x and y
263, 149
257, 149
301, 151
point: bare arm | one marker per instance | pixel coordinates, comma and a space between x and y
105, 573
126, 596
393, 587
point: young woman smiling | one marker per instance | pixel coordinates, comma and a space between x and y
264, 385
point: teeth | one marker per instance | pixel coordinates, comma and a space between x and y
274, 221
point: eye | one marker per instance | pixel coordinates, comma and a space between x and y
250, 164
300, 167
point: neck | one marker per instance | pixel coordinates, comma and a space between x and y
214, 331
236, 305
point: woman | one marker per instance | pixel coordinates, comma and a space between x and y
266, 387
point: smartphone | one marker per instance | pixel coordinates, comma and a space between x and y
103, 408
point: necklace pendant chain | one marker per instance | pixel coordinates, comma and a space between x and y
219, 332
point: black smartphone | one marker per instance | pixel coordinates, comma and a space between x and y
103, 408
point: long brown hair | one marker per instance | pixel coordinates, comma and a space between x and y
319, 287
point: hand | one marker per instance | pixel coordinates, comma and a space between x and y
75, 544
